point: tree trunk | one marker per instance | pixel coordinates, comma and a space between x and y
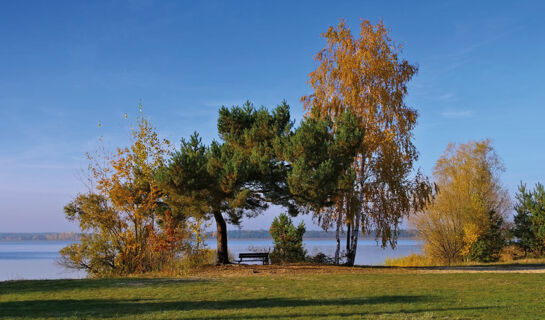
351, 255
338, 238
348, 229
348, 242
222, 252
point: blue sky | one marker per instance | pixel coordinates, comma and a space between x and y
66, 66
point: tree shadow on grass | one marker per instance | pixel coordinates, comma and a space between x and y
336, 315
113, 308
55, 286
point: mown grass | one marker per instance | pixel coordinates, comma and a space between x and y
303, 296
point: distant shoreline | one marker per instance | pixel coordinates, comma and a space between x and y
231, 235
39, 236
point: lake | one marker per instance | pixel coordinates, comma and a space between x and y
38, 259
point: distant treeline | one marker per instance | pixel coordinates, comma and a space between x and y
67, 236
309, 234
233, 234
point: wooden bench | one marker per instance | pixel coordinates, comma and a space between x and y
254, 256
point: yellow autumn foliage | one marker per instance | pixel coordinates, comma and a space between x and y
127, 227
412, 260
363, 73
468, 189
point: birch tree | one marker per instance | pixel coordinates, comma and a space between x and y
366, 76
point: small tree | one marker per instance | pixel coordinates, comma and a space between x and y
530, 219
489, 245
127, 228
288, 240
468, 205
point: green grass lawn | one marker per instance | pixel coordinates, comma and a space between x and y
353, 296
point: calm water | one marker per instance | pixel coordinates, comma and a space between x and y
38, 259
33, 260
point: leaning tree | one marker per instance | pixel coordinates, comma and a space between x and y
236, 178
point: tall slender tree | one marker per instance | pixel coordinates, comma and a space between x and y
366, 76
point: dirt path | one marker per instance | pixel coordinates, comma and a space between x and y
235, 270
519, 268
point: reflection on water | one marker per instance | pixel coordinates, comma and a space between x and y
38, 259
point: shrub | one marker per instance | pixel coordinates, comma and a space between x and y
321, 258
512, 252
197, 259
412, 260
288, 240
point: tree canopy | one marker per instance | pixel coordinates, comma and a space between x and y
319, 155
235, 178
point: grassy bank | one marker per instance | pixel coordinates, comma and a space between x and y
373, 293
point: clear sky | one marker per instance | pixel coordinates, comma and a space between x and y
65, 66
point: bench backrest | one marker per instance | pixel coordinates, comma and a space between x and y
253, 255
